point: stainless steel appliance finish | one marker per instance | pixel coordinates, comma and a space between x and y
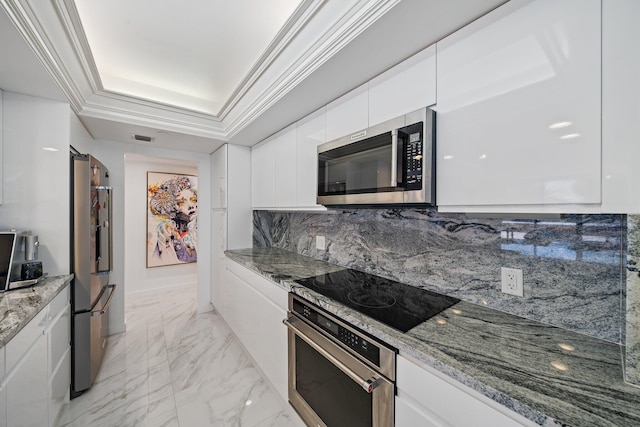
337, 374
392, 163
91, 255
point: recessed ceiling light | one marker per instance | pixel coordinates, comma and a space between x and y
570, 136
49, 149
560, 125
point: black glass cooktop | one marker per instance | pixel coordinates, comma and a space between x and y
393, 303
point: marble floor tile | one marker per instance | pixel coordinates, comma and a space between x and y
175, 367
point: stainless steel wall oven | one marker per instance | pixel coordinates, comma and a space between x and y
338, 375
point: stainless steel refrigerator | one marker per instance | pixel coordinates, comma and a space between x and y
91, 254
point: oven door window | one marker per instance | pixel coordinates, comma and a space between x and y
360, 167
333, 396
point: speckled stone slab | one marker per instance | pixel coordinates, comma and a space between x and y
279, 265
550, 375
18, 307
573, 266
633, 301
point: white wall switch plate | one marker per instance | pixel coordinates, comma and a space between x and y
512, 281
320, 243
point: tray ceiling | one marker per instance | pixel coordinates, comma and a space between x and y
195, 74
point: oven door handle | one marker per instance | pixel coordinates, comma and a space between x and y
367, 385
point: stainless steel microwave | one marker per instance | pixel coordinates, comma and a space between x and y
392, 163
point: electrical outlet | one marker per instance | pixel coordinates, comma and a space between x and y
320, 243
512, 281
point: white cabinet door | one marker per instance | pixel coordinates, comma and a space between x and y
410, 414
218, 246
239, 213
274, 337
348, 114
285, 168
310, 132
263, 175
407, 87
620, 106
1, 151
262, 309
219, 178
518, 112
27, 400
3, 406
59, 387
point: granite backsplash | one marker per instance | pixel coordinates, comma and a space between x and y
574, 267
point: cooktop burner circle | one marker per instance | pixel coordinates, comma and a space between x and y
369, 299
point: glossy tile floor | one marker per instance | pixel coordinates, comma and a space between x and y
176, 367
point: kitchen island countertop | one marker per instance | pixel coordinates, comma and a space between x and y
19, 306
549, 375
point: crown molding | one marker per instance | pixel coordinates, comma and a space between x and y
81, 84
352, 24
30, 28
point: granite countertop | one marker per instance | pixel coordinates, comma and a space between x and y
551, 376
18, 307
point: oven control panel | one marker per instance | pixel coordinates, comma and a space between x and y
350, 337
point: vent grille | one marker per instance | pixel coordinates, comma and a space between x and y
142, 138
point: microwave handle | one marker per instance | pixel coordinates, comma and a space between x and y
394, 158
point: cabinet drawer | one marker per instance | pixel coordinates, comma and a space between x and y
19, 345
443, 399
59, 303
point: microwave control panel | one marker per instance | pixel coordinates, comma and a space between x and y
413, 157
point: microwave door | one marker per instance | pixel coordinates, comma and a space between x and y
368, 166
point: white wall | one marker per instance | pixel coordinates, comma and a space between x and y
137, 277
36, 182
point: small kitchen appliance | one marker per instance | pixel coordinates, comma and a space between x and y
19, 265
392, 163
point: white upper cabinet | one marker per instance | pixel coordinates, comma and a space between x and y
273, 171
518, 111
286, 168
620, 106
310, 132
263, 175
407, 87
348, 114
1, 150
219, 178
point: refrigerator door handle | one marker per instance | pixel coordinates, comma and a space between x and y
98, 243
104, 308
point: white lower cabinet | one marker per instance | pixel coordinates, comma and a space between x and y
38, 368
27, 388
427, 399
3, 405
254, 309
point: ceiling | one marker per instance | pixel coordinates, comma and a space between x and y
196, 76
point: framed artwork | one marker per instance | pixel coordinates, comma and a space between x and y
172, 219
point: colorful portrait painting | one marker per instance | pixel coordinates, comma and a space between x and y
172, 219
